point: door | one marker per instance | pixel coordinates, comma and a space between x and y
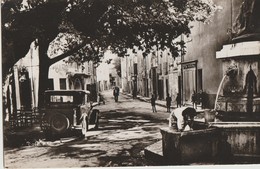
160, 89
167, 86
189, 83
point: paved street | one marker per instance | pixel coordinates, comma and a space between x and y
126, 128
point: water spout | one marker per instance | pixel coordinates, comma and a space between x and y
231, 72
219, 87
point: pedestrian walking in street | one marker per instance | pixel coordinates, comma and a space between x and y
194, 99
116, 93
168, 102
184, 117
153, 103
178, 100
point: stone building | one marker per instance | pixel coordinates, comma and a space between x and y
202, 70
103, 77
107, 74
158, 73
198, 70
65, 76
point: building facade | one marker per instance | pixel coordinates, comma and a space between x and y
107, 74
201, 69
195, 72
73, 76
158, 73
103, 77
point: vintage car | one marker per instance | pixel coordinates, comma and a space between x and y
68, 110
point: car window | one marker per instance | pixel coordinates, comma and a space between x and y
61, 99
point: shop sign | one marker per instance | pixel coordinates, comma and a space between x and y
189, 65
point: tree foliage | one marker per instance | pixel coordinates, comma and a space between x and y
24, 23
90, 27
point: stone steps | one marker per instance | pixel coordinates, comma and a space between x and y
154, 153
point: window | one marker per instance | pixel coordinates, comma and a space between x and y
63, 84
135, 69
61, 99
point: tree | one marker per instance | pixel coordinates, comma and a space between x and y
98, 25
23, 26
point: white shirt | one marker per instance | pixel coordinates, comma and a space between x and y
178, 114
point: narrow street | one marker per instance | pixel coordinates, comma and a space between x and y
126, 128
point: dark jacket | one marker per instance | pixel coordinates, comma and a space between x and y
168, 101
116, 91
153, 101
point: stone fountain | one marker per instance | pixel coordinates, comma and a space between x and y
241, 66
238, 98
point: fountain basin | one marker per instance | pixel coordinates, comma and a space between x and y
213, 142
198, 145
237, 117
243, 137
237, 104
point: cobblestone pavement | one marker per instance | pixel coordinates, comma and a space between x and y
126, 128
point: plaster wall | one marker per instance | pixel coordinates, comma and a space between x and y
208, 38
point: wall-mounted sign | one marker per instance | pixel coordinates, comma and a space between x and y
189, 65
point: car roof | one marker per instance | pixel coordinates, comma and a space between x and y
66, 91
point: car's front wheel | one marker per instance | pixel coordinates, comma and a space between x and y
59, 123
84, 128
94, 118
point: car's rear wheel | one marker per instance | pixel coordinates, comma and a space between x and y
59, 123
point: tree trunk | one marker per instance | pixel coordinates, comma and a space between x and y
44, 64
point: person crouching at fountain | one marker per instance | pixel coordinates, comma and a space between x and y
184, 116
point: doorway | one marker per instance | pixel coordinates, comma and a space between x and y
189, 80
189, 84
